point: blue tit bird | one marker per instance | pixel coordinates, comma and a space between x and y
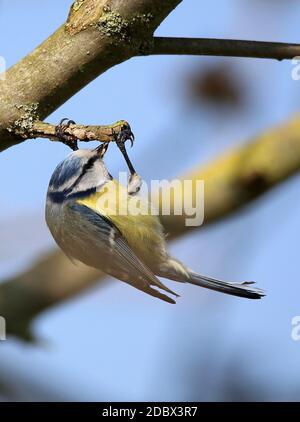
128, 246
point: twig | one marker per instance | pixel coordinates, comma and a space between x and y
84, 133
223, 47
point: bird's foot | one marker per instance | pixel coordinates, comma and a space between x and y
120, 138
135, 181
65, 138
134, 184
124, 135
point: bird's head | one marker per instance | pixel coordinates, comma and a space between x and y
80, 174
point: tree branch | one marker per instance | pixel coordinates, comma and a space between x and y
223, 47
98, 34
231, 182
83, 133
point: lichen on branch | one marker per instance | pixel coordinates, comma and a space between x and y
23, 126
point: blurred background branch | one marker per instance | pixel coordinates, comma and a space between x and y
231, 181
244, 173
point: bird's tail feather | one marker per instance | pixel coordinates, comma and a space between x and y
244, 289
175, 270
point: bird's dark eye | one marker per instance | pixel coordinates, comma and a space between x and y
124, 127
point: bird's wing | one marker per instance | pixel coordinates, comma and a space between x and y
105, 239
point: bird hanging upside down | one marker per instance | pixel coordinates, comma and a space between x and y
129, 247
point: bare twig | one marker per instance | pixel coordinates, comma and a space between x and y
102, 133
223, 47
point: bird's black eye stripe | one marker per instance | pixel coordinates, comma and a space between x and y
59, 197
87, 166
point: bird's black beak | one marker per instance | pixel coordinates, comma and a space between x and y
101, 149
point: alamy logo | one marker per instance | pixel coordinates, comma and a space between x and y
2, 328
296, 68
175, 197
295, 333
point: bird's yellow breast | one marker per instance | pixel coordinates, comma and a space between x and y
133, 216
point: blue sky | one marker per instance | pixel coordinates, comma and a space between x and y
114, 343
